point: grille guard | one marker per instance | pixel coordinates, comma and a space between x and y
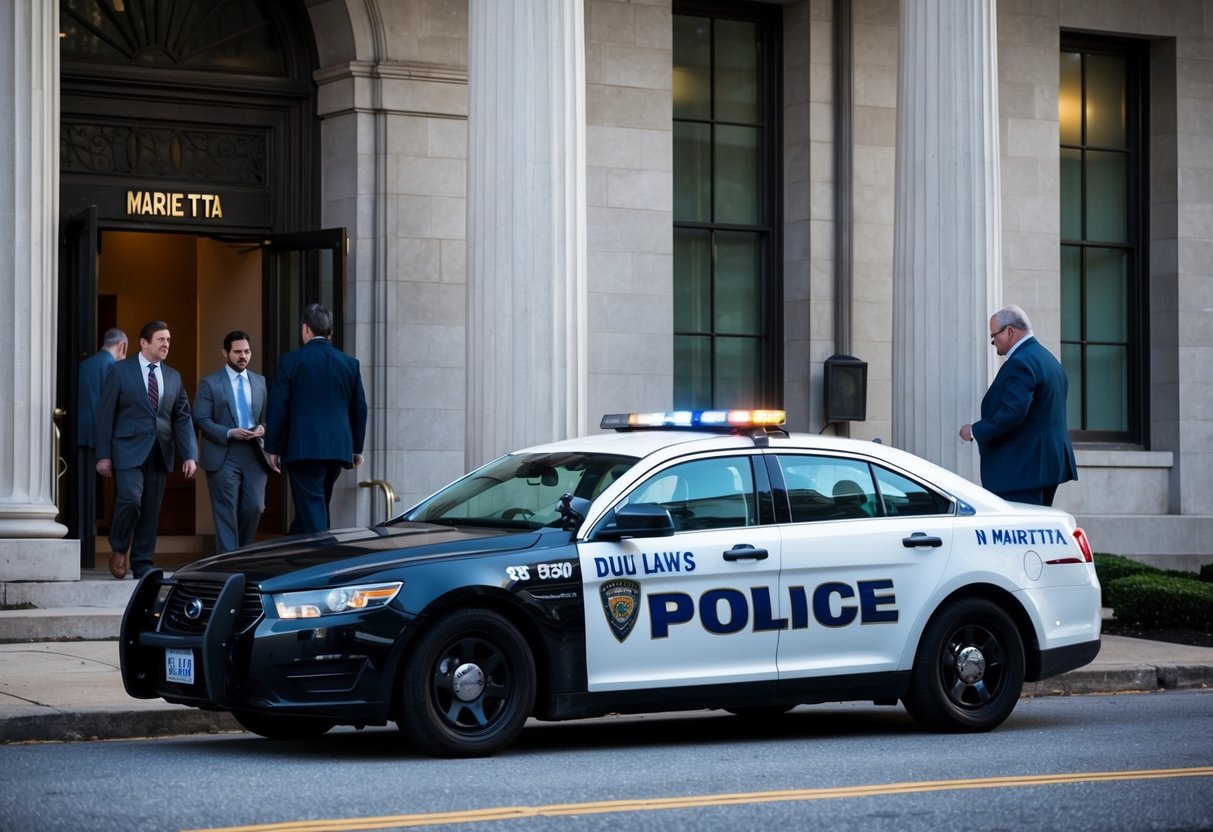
138, 647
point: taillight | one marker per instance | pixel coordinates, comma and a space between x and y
1084, 545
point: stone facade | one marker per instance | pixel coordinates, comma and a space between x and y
397, 135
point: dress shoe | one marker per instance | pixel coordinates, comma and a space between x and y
118, 565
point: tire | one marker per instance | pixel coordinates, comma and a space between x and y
969, 670
468, 686
278, 727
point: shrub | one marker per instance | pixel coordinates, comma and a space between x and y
1154, 599
1109, 568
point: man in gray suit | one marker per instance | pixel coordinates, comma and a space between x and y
229, 410
142, 414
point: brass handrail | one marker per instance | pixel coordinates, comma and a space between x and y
60, 463
389, 496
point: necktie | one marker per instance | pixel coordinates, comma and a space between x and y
242, 409
153, 387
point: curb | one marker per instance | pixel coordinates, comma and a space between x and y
64, 726
1133, 679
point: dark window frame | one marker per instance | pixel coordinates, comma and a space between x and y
1137, 58
769, 21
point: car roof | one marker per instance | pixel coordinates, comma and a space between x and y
663, 443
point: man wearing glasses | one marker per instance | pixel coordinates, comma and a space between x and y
1022, 436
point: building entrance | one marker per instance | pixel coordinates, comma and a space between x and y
202, 286
187, 146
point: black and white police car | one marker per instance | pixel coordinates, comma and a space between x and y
682, 561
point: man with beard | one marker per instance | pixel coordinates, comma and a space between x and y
229, 410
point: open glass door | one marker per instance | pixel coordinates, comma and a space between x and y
298, 269
77, 491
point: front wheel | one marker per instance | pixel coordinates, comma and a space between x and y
468, 686
969, 670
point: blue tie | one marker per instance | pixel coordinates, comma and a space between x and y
242, 410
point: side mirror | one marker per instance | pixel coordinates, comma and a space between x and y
640, 520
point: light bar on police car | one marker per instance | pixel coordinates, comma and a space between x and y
707, 419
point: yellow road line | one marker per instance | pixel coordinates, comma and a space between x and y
701, 801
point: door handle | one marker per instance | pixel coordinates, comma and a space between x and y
744, 551
919, 539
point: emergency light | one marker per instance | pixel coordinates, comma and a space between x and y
694, 419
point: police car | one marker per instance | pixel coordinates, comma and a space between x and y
680, 561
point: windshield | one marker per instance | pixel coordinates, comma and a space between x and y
521, 491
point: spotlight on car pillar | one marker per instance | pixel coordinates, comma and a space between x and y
846, 389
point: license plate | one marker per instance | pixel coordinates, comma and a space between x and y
179, 666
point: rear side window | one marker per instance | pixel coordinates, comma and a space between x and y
828, 488
903, 497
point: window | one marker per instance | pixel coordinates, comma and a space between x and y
903, 497
704, 494
727, 319
219, 36
828, 488
837, 488
520, 491
1101, 119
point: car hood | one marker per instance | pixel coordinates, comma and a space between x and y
342, 555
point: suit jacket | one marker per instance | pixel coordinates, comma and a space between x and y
215, 414
1022, 433
127, 427
317, 410
93, 371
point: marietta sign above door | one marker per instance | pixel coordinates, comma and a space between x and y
174, 204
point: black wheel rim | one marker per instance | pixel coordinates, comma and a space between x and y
973, 667
465, 705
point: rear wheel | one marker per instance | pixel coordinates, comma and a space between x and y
468, 686
279, 727
969, 670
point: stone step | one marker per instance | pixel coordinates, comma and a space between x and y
89, 609
87, 592
61, 624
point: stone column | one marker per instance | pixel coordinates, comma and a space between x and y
947, 270
31, 547
526, 353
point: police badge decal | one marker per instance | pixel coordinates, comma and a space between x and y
621, 603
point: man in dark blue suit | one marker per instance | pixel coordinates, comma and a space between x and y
317, 419
143, 413
92, 373
1025, 446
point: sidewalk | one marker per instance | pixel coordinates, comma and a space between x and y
72, 690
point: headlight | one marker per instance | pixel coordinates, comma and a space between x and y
314, 603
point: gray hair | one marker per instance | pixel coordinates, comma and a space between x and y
1012, 315
113, 337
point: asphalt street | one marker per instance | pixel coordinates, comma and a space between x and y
73, 690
